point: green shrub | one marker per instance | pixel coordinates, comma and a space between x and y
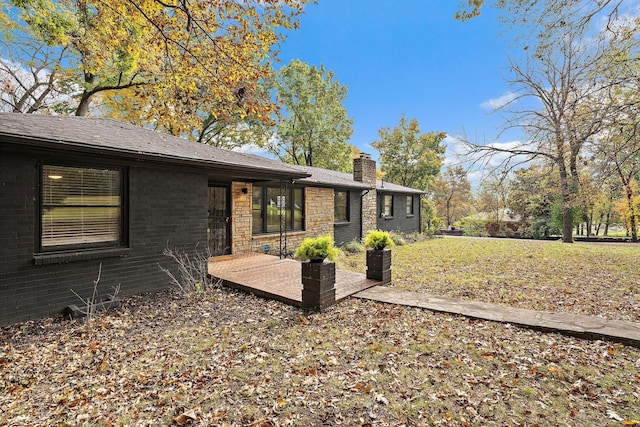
354, 247
397, 239
544, 227
377, 239
320, 247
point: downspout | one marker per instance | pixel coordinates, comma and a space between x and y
420, 212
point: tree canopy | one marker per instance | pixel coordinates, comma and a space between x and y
566, 89
168, 65
452, 194
409, 157
313, 127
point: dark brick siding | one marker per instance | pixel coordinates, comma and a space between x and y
400, 222
344, 233
166, 208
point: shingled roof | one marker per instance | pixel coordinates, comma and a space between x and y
108, 136
395, 188
330, 178
335, 179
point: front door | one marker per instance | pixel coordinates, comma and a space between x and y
219, 230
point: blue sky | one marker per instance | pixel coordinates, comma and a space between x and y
407, 57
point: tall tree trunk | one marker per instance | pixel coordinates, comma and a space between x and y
599, 223
633, 225
83, 106
567, 217
85, 100
606, 224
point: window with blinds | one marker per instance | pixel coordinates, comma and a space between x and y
388, 205
409, 205
81, 207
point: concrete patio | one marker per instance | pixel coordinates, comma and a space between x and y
270, 277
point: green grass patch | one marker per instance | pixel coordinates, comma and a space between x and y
580, 278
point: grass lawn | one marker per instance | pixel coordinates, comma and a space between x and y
580, 278
233, 359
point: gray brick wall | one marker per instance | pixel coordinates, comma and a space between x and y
400, 222
166, 207
344, 233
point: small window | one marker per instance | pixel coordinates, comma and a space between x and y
388, 205
409, 205
341, 206
81, 207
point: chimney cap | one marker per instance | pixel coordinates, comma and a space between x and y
365, 155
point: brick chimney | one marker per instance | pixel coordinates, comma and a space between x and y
364, 170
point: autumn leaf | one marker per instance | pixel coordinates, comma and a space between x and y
185, 418
361, 387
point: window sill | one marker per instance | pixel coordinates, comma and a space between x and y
79, 255
276, 233
410, 215
342, 223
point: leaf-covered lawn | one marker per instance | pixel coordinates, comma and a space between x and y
234, 359
590, 279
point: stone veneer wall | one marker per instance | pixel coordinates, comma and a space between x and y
318, 220
240, 218
364, 170
319, 211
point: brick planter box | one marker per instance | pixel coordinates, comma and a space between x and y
379, 265
318, 285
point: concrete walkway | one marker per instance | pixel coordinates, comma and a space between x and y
568, 324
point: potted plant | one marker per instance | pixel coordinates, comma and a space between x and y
316, 249
378, 243
318, 277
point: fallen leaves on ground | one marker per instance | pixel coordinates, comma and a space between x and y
235, 359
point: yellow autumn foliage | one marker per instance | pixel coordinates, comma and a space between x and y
164, 64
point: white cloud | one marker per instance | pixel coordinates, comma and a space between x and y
15, 77
497, 103
500, 158
455, 149
478, 168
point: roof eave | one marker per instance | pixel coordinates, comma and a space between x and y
74, 148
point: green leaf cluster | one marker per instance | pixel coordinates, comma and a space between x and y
409, 157
378, 240
321, 247
313, 127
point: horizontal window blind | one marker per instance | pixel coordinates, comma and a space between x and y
80, 206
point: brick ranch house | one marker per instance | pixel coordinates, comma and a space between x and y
77, 193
